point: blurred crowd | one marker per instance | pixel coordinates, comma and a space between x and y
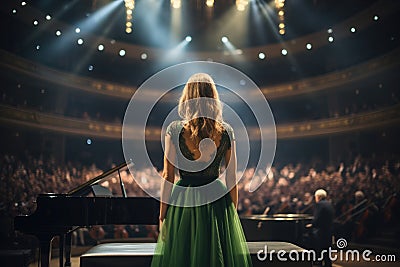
364, 193
287, 189
290, 189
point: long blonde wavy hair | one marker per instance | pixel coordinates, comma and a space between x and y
200, 107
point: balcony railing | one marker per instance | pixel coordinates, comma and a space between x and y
35, 73
71, 126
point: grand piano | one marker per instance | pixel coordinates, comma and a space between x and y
61, 214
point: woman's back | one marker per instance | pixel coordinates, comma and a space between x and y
208, 152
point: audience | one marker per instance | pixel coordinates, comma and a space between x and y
283, 190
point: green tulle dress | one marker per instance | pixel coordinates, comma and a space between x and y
208, 235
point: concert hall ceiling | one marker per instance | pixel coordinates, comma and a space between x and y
166, 23
272, 41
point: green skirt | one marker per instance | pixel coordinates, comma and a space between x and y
208, 235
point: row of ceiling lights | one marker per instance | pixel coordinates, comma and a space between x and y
224, 39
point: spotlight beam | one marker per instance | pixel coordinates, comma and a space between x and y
94, 42
268, 14
98, 16
177, 50
230, 48
151, 18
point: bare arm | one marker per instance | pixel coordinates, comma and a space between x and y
230, 163
168, 175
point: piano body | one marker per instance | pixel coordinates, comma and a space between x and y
61, 214
278, 227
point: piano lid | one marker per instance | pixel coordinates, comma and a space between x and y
87, 187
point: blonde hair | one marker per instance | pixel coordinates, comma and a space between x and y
200, 107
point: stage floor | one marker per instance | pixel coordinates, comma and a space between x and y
75, 263
126, 249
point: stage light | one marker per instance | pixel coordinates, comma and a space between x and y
188, 38
280, 3
224, 39
77, 30
122, 52
143, 56
261, 55
100, 47
309, 46
80, 41
35, 22
284, 52
330, 30
58, 32
241, 4
37, 47
14, 11
279, 6
48, 17
89, 141
210, 3
176, 3
353, 29
23, 3
90, 68
129, 6
330, 39
376, 17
